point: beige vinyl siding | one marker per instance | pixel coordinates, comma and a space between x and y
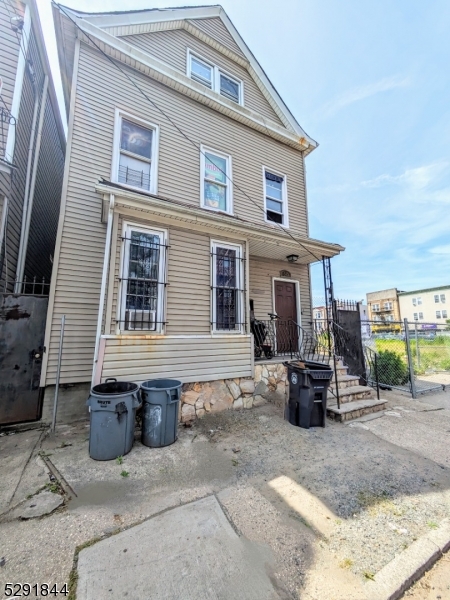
188, 359
216, 29
103, 88
171, 47
262, 272
9, 50
188, 293
47, 198
100, 90
20, 159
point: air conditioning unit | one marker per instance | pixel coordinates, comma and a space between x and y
140, 320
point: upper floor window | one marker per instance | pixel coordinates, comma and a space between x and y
215, 78
421, 315
443, 298
415, 317
436, 298
216, 189
438, 314
134, 161
419, 300
388, 305
375, 307
444, 314
275, 198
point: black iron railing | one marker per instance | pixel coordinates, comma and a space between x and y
33, 287
278, 338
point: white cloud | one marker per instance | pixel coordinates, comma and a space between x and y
362, 92
440, 249
416, 178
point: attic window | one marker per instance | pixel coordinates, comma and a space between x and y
201, 72
214, 78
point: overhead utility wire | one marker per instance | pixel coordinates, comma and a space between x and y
180, 131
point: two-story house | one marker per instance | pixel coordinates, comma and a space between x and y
184, 209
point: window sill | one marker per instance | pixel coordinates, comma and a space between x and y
217, 210
135, 188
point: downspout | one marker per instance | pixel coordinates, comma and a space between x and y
97, 364
26, 215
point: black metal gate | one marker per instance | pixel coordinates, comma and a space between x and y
22, 327
348, 340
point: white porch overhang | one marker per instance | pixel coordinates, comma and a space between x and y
265, 241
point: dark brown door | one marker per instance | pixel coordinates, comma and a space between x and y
286, 309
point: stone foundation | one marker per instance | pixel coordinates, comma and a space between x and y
269, 384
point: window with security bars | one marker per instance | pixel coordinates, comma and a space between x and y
143, 279
227, 287
135, 162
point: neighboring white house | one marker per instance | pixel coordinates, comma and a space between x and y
426, 306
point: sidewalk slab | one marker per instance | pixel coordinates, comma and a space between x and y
190, 552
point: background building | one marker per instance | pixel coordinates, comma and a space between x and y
383, 306
431, 305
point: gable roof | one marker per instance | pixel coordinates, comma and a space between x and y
110, 26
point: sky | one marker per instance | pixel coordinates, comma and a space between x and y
369, 81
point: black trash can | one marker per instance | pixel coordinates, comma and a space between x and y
113, 406
308, 388
161, 399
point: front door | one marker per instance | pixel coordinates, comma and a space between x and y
286, 309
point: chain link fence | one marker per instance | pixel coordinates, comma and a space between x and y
411, 356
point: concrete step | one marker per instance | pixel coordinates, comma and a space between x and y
355, 392
346, 381
356, 409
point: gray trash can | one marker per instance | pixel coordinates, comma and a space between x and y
113, 407
160, 398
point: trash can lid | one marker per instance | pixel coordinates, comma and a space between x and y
114, 388
161, 384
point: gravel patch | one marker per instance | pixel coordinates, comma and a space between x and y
379, 495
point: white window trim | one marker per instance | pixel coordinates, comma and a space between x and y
240, 284
216, 70
438, 314
128, 226
119, 115
228, 179
285, 223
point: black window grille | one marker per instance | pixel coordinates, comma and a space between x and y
134, 177
227, 289
143, 281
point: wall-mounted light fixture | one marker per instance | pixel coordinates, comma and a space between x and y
292, 258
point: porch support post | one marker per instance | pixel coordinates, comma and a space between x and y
96, 370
